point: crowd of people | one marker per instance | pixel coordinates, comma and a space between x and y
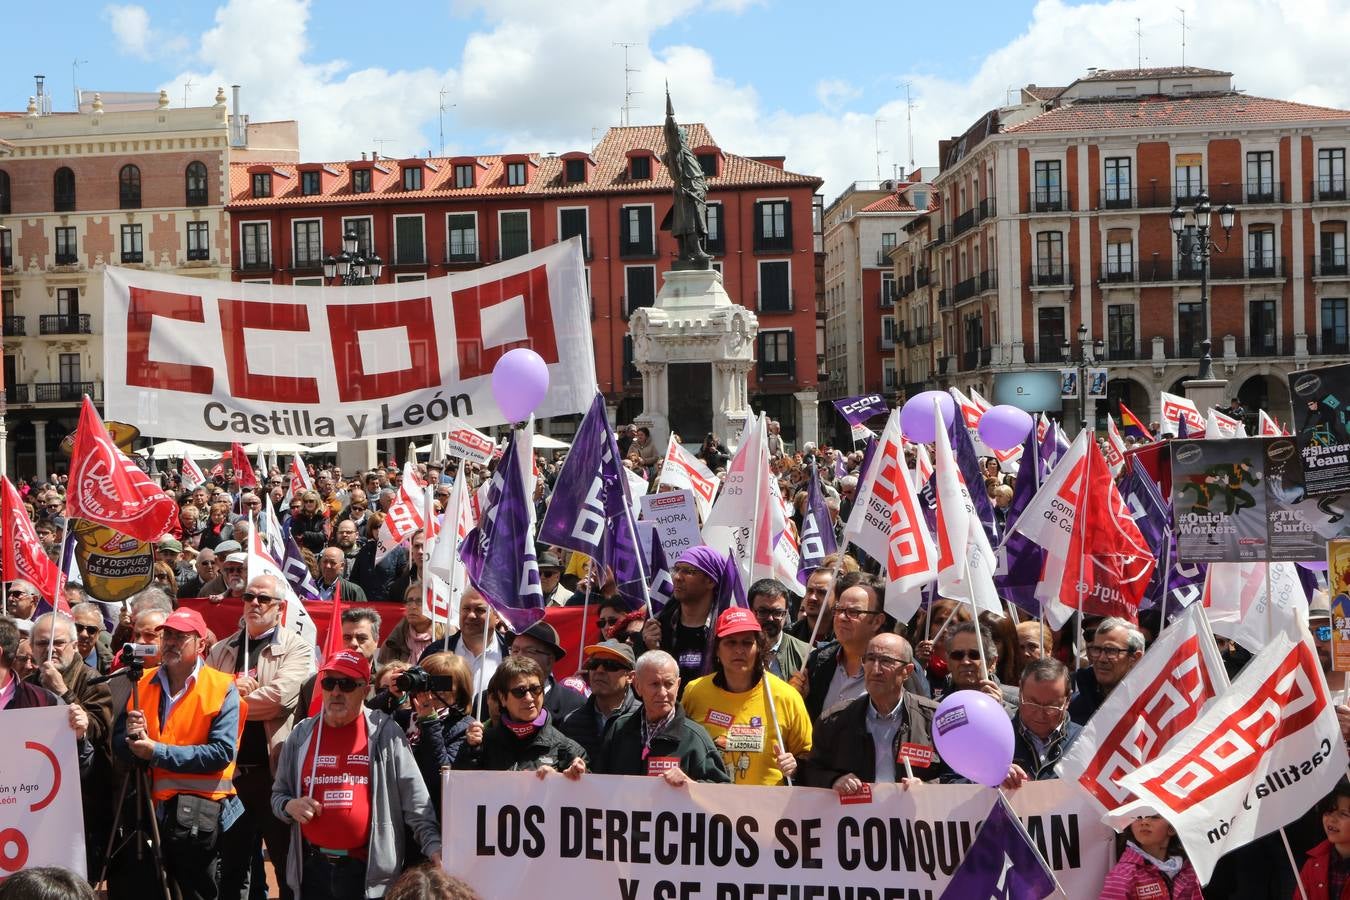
330, 770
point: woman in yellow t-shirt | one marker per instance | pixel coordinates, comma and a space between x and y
731, 704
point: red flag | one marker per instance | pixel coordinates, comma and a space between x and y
243, 469
333, 642
218, 470
107, 488
23, 556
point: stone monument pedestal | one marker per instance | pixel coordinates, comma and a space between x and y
1207, 392
694, 349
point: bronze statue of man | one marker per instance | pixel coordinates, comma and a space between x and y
688, 217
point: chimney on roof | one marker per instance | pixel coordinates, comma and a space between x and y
375, 154
238, 123
363, 156
44, 100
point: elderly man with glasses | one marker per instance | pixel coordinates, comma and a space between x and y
91, 641
1112, 652
898, 726
270, 664
21, 602
1042, 730
348, 786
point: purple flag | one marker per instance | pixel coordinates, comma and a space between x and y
1050, 451
840, 470
1021, 560
1002, 862
293, 566
499, 553
817, 539
968, 463
1182, 431
869, 447
857, 410
662, 584
1153, 515
590, 512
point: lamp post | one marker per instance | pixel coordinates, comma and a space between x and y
1196, 247
349, 266
1086, 359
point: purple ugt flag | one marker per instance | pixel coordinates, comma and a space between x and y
590, 512
662, 582
498, 554
1020, 560
1002, 863
817, 540
1153, 515
297, 573
857, 410
969, 465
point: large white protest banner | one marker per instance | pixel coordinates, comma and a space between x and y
641, 839
217, 360
41, 821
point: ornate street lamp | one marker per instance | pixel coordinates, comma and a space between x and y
1196, 249
349, 266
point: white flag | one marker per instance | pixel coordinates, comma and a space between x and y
966, 562
193, 477
1221, 425
1174, 407
294, 616
1263, 754
405, 513
1268, 426
741, 513
1162, 695
1115, 447
1241, 609
684, 470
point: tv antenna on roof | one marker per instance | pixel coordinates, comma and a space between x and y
876, 133
626, 111
909, 123
74, 79
1183, 35
1139, 44
187, 84
379, 145
443, 94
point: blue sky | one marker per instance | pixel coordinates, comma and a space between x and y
807, 80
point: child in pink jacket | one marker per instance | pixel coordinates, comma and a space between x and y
1152, 866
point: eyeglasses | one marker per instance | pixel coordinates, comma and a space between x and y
534, 652
549, 573
770, 614
88, 629
963, 655
294, 507
608, 621
608, 665
1110, 654
882, 661
263, 599
43, 645
1321, 632
853, 614
13, 594
163, 576
521, 691
1050, 712
346, 685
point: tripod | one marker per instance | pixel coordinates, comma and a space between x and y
144, 805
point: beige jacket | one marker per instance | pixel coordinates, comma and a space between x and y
284, 665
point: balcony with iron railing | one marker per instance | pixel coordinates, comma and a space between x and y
966, 289
988, 280
776, 302
922, 276
16, 393
944, 300
970, 360
62, 391
64, 324
1051, 275
963, 222
886, 299
14, 326
1045, 200
884, 256
1121, 350
1331, 342
462, 253
905, 286
1326, 188
256, 263
66, 259
1118, 196
903, 336
943, 233
923, 335
886, 343
1122, 271
987, 209
1329, 265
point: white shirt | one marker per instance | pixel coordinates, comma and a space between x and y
487, 662
170, 698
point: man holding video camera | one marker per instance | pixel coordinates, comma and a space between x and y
184, 724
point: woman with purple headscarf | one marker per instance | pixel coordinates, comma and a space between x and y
706, 583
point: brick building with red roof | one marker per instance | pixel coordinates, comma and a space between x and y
428, 217
1054, 234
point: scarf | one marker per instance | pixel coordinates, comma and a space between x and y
1170, 867
522, 730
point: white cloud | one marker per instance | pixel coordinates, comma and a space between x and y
531, 79
131, 26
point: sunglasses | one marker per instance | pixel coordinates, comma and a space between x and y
263, 599
521, 691
963, 655
346, 685
88, 629
608, 622
608, 665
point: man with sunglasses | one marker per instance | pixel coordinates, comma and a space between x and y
186, 727
964, 665
270, 664
869, 739
347, 785
609, 665
1112, 652
91, 641
21, 602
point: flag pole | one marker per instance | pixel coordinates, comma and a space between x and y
56, 590
834, 576
1078, 526
1289, 852
1003, 798
759, 499
482, 664
945, 622
585, 607
773, 714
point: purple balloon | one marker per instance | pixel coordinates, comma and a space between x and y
1316, 565
916, 416
1004, 427
519, 383
974, 735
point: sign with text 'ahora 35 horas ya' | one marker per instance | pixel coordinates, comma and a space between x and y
222, 361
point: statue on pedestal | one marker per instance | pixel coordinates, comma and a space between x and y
688, 217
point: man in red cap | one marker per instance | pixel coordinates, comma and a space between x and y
347, 784
183, 723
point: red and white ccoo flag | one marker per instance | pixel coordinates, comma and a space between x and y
966, 563
107, 488
192, 475
684, 470
405, 513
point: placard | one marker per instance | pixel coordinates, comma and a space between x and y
41, 820
674, 514
1322, 427
1338, 578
